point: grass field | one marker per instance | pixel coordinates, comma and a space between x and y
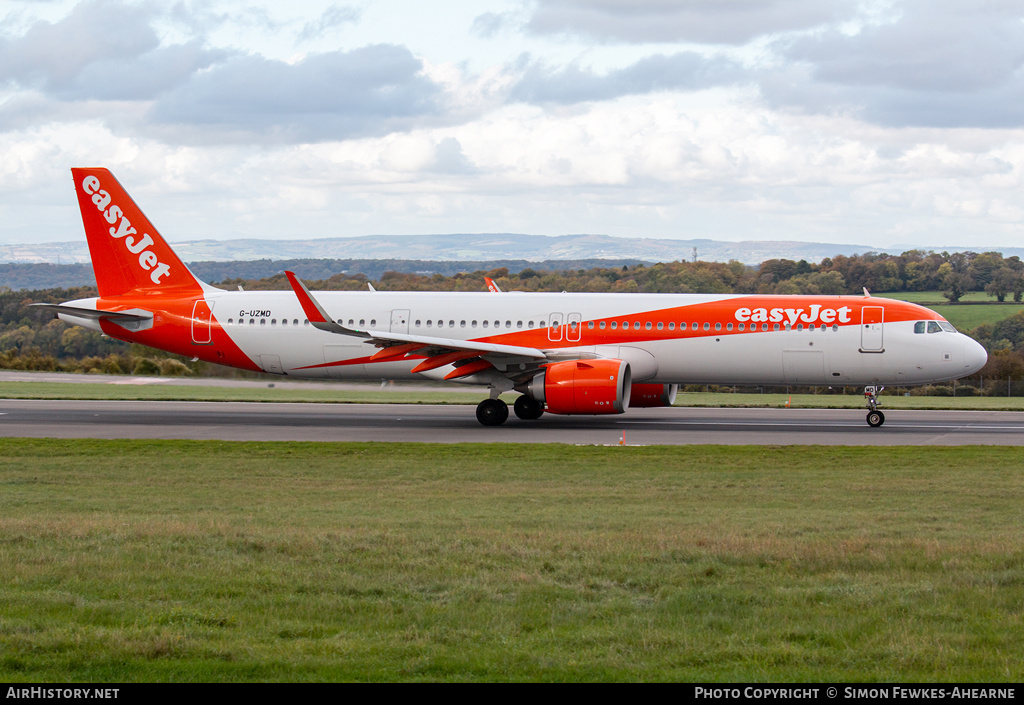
936, 297
371, 394
200, 561
974, 309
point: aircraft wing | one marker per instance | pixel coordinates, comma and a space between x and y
439, 351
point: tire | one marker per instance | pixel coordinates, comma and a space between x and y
492, 412
875, 418
528, 408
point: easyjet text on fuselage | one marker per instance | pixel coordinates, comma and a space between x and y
793, 316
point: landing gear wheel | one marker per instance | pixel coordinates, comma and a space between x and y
528, 408
875, 418
492, 412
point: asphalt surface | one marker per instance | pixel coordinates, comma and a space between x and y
458, 424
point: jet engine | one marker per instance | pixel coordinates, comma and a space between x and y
582, 387
650, 395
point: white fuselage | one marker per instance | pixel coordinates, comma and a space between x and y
271, 329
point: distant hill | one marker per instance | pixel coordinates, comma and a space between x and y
465, 247
47, 276
63, 264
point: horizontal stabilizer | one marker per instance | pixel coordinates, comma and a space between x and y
98, 315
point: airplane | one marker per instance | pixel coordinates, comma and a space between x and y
564, 353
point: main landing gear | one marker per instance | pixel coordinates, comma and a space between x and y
494, 412
875, 417
528, 408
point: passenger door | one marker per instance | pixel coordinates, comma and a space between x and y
872, 320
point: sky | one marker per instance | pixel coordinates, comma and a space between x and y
884, 123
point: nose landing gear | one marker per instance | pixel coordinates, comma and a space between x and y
875, 417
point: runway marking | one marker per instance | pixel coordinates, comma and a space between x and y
969, 427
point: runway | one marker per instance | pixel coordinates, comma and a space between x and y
238, 421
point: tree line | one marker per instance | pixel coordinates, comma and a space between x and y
31, 339
952, 274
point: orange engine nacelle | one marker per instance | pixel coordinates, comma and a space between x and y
582, 387
650, 395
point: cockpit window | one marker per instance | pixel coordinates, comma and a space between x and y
934, 327
946, 326
919, 327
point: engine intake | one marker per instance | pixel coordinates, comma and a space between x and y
582, 387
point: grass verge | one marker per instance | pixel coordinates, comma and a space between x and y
216, 561
372, 395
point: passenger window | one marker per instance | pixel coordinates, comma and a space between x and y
729, 327
661, 326
648, 325
694, 326
718, 326
603, 325
672, 326
590, 325
615, 325
707, 326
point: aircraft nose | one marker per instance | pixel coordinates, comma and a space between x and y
975, 356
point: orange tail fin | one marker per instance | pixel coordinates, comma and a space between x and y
128, 254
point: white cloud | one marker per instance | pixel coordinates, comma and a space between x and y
832, 120
702, 21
